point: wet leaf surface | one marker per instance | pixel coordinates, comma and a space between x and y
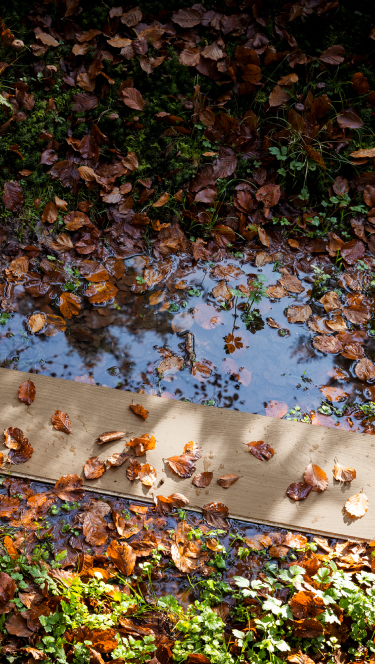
61, 421
298, 490
227, 480
202, 480
261, 450
26, 392
94, 468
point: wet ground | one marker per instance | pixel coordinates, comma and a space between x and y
121, 343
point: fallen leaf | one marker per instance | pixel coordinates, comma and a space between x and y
297, 314
36, 322
269, 195
261, 450
298, 490
316, 477
327, 344
21, 455
133, 469
142, 444
349, 119
123, 557
170, 365
221, 292
344, 474
182, 465
306, 604
227, 480
94, 529
139, 410
17, 625
278, 96
357, 505
117, 458
26, 392
94, 468
291, 283
278, 551
215, 514
334, 394
202, 480
276, 408
132, 98
14, 438
70, 305
365, 369
331, 301
7, 507
61, 421
147, 474
166, 505
13, 196
276, 292
110, 436
334, 55
69, 487
164, 198
358, 154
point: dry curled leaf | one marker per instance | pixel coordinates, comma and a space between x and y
227, 480
202, 480
298, 490
94, 468
357, 505
316, 477
61, 421
147, 474
344, 474
142, 444
110, 436
133, 469
117, 459
260, 450
26, 392
139, 410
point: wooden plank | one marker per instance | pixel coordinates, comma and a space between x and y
258, 496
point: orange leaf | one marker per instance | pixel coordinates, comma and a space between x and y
70, 305
61, 421
357, 505
316, 477
26, 392
139, 410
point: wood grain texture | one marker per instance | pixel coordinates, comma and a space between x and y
259, 495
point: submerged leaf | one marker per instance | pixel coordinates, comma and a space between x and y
215, 514
69, 487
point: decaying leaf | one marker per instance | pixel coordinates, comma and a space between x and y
26, 392
327, 343
123, 557
260, 450
22, 454
365, 369
132, 471
298, 490
227, 480
110, 436
94, 529
182, 465
69, 487
297, 314
344, 474
356, 506
216, 514
14, 438
202, 480
61, 421
316, 477
139, 410
166, 505
94, 468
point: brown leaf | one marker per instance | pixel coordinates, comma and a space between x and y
336, 323
117, 458
100, 292
310, 628
359, 154
14, 438
69, 487
357, 505
19, 266
202, 480
261, 450
276, 292
139, 410
83, 102
269, 195
190, 56
360, 84
215, 514
298, 314
13, 196
123, 557
327, 344
70, 305
344, 474
94, 529
305, 604
147, 474
278, 96
109, 436
50, 213
221, 292
349, 119
341, 185
187, 18
170, 365
142, 444
132, 17
353, 351
182, 465
133, 469
353, 251
252, 74
166, 505
164, 198
334, 394
291, 283
26, 392
278, 551
331, 301
227, 480
61, 421
276, 408
17, 625
298, 490
132, 98
21, 455
334, 55
11, 551
94, 468
7, 507
36, 322
316, 477
365, 369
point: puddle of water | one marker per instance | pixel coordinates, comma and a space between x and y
121, 347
